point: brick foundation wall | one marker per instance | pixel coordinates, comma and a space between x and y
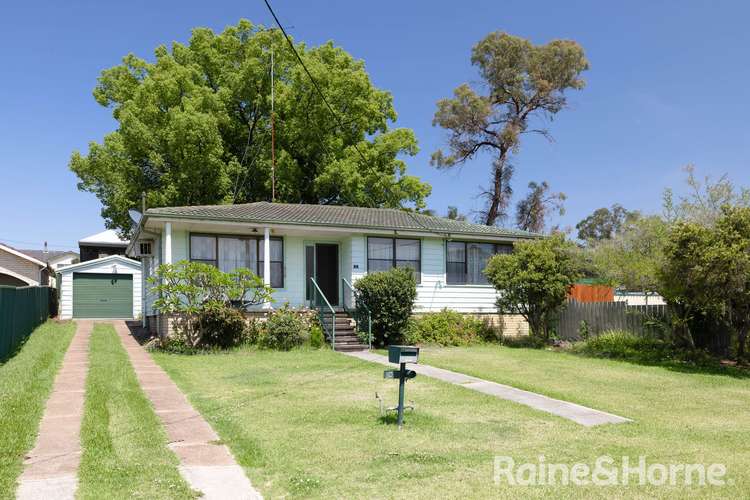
511, 325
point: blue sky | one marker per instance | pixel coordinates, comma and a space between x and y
669, 84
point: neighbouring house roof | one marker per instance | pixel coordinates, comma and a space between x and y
105, 238
21, 254
50, 255
102, 260
334, 215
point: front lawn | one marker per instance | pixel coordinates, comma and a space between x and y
25, 383
306, 423
125, 452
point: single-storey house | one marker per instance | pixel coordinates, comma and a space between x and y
331, 245
20, 269
55, 260
108, 287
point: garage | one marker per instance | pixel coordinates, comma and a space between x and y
106, 288
102, 295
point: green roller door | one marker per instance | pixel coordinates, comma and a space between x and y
102, 295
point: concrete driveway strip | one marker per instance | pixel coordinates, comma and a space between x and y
50, 469
577, 413
207, 466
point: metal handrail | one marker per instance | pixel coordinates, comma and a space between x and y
320, 312
360, 303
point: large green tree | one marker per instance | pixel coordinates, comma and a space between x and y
632, 256
194, 128
522, 81
704, 200
605, 223
707, 271
534, 280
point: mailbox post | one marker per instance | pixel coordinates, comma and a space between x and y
400, 355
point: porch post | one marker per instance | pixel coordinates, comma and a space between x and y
267, 261
167, 242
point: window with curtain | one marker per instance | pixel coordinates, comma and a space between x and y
229, 253
277, 262
465, 261
235, 252
386, 253
203, 249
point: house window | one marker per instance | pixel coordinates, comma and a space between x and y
277, 262
465, 261
386, 253
230, 252
144, 248
203, 249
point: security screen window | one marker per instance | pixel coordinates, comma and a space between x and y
229, 253
387, 253
465, 261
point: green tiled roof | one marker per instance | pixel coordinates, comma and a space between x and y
332, 215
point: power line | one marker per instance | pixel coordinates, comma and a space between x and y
314, 82
20, 242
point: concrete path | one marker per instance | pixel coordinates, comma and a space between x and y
577, 413
50, 469
207, 466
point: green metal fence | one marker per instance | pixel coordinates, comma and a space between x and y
21, 310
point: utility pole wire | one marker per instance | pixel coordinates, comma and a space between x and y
314, 82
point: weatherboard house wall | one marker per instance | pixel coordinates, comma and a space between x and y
21, 266
298, 226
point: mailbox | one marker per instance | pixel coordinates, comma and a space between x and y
400, 355
403, 354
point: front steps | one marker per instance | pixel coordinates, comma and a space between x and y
346, 334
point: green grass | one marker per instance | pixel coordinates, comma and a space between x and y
25, 383
124, 445
306, 423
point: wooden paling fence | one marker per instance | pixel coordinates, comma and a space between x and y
579, 319
21, 310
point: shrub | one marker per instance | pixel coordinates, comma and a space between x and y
285, 329
525, 342
317, 338
534, 280
223, 327
624, 345
448, 328
192, 290
390, 296
254, 332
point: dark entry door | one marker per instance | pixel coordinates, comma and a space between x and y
327, 271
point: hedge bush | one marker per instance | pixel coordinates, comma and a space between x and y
390, 296
624, 345
223, 327
284, 330
449, 328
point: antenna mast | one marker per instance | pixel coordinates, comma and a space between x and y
273, 137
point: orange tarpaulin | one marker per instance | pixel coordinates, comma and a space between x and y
592, 293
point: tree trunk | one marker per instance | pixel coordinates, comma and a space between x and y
496, 197
741, 340
536, 327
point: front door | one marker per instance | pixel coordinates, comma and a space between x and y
327, 270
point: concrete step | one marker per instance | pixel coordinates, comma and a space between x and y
351, 347
349, 342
